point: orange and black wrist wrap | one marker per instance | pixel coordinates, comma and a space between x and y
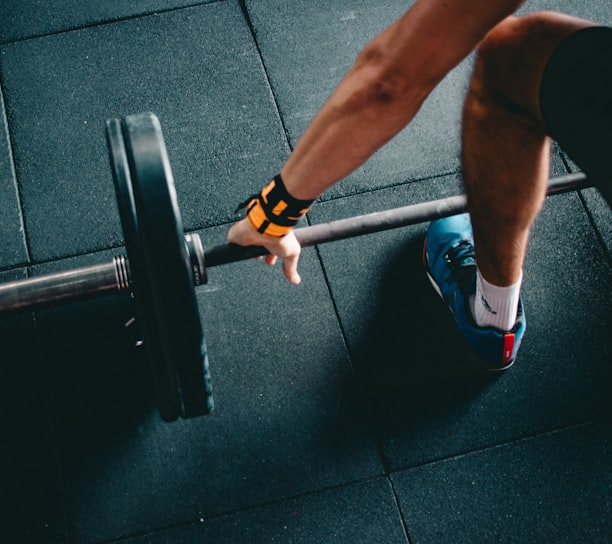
274, 211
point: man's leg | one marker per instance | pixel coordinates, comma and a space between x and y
506, 153
475, 261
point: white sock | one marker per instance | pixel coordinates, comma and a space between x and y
494, 306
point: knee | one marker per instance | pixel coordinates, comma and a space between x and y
504, 41
518, 36
511, 58
499, 58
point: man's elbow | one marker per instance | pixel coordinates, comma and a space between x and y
386, 79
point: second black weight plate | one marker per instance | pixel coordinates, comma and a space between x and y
164, 380
176, 316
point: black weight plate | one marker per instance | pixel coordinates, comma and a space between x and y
164, 380
167, 262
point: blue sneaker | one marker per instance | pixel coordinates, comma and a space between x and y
450, 260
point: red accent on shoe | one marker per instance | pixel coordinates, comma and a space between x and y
508, 348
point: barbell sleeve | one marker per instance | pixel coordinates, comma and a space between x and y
377, 222
65, 286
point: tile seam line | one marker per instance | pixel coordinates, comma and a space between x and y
224, 223
249, 22
203, 519
373, 433
115, 250
400, 511
376, 437
339, 198
394, 185
106, 22
517, 441
587, 210
18, 195
595, 227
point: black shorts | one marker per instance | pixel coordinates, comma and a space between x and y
576, 102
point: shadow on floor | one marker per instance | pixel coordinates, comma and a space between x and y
100, 384
414, 355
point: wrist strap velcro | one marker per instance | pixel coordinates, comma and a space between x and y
274, 211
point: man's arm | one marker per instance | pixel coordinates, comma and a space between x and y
377, 98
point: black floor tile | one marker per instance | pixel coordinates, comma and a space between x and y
198, 69
413, 363
364, 513
552, 488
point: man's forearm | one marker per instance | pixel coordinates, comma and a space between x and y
350, 127
385, 88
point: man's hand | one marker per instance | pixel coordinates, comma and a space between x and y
287, 247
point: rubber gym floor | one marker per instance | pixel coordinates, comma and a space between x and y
344, 412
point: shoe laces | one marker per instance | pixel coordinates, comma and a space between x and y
461, 259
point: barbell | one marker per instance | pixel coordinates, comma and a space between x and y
164, 265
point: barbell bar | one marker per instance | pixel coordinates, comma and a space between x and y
404, 216
114, 277
164, 265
